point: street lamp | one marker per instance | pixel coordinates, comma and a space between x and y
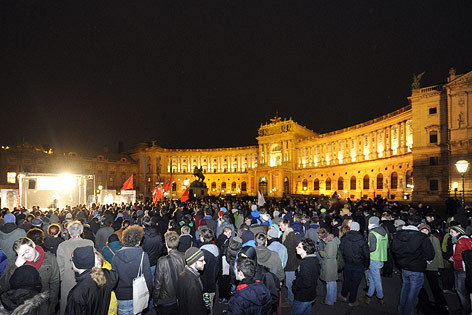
462, 166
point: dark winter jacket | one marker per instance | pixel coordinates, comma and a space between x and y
152, 244
251, 298
289, 240
185, 242
89, 298
25, 302
190, 293
110, 250
51, 244
412, 249
212, 267
164, 289
126, 263
355, 249
101, 237
306, 278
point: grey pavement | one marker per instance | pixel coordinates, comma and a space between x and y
391, 288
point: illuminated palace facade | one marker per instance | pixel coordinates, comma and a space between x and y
408, 154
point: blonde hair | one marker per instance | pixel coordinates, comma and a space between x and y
97, 274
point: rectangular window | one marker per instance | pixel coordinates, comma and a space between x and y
11, 177
433, 110
433, 137
434, 185
433, 160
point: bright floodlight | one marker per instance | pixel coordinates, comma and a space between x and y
462, 166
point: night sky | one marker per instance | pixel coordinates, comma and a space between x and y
82, 74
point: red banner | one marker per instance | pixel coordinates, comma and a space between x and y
128, 184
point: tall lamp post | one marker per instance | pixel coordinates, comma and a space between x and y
462, 166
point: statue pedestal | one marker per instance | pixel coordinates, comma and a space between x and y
198, 192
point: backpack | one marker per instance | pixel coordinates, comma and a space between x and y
272, 284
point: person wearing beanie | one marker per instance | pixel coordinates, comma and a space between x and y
113, 245
248, 238
461, 242
28, 253
412, 250
211, 254
92, 293
24, 295
356, 258
9, 233
64, 253
189, 286
378, 245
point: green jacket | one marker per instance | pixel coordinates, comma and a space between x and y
438, 261
329, 265
49, 274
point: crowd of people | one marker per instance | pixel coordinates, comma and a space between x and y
190, 256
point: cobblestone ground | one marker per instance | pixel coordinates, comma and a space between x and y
391, 287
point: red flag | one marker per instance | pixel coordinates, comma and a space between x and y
184, 197
157, 194
168, 183
128, 184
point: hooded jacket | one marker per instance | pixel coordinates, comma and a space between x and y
412, 249
22, 301
126, 263
329, 266
110, 250
152, 244
271, 260
355, 250
212, 267
9, 233
250, 298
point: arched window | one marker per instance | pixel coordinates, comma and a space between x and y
380, 181
328, 183
340, 183
316, 184
263, 185
223, 186
394, 180
286, 185
409, 179
233, 186
243, 186
213, 186
366, 182
305, 184
353, 183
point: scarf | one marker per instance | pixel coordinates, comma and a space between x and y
37, 264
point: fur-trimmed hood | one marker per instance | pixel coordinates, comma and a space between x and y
27, 306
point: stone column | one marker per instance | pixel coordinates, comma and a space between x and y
404, 131
388, 141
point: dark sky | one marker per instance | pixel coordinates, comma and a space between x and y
200, 74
